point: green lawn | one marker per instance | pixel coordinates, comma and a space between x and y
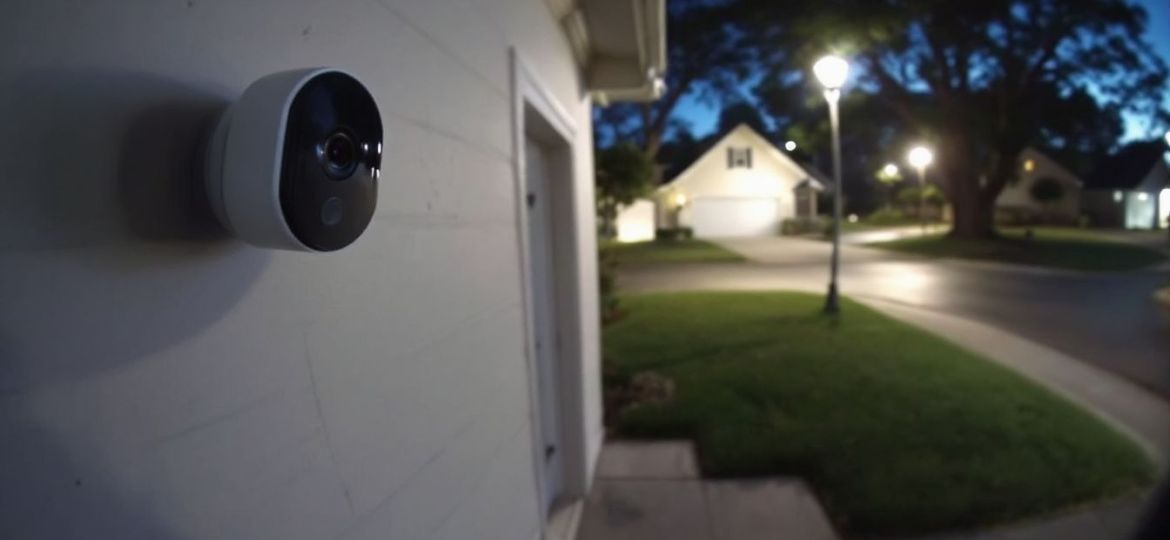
671, 251
1073, 249
899, 432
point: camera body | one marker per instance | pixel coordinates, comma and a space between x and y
294, 163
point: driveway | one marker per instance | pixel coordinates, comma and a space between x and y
1109, 320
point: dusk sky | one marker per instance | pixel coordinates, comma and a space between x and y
703, 117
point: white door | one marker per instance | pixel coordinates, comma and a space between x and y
542, 271
728, 217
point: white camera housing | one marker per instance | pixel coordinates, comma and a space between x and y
294, 163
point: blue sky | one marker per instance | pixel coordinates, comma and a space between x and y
703, 117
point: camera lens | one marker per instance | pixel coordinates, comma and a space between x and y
339, 155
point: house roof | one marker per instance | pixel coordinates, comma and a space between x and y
818, 179
1126, 168
1064, 171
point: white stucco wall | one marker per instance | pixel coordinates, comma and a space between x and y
772, 175
160, 381
1019, 194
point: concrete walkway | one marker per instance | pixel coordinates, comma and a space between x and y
652, 490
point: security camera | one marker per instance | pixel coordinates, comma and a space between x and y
294, 163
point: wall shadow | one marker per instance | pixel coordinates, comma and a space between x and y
108, 248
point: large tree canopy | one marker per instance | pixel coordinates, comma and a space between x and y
985, 79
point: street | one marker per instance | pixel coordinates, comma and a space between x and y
1109, 320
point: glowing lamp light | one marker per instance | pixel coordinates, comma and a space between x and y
680, 200
1143, 196
890, 170
790, 146
1029, 165
831, 71
1168, 137
853, 218
920, 157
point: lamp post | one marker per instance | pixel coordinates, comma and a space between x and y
920, 157
831, 71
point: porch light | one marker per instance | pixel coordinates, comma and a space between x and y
680, 200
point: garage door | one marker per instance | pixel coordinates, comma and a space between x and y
732, 217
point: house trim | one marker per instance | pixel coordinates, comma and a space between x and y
529, 92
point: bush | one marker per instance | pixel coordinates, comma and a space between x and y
804, 225
680, 233
888, 216
607, 284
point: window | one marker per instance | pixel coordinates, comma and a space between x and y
739, 157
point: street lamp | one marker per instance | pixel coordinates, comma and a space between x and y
832, 71
791, 145
920, 157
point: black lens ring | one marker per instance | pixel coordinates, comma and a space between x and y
338, 155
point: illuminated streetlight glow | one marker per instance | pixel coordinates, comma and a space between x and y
791, 145
920, 157
890, 170
831, 71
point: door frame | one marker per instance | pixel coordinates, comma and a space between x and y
533, 103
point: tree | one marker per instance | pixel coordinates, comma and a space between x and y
624, 173
984, 79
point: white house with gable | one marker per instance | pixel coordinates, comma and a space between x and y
437, 379
741, 186
1017, 204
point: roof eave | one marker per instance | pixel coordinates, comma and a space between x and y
635, 71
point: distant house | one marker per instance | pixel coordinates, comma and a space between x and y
1130, 188
1017, 202
741, 186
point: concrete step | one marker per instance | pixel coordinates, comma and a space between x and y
653, 490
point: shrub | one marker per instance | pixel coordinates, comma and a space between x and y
804, 225
607, 284
887, 216
679, 233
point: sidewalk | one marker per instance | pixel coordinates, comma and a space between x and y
889, 234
